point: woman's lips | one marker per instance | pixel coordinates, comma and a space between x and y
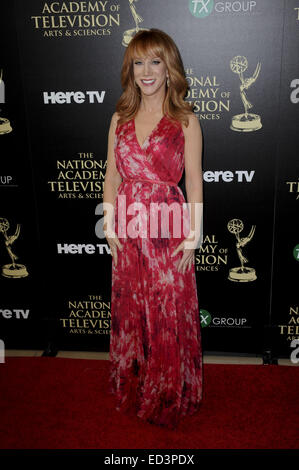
148, 82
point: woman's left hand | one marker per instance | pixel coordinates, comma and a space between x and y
188, 257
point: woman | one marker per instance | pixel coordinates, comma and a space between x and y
155, 342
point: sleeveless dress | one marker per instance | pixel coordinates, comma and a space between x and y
155, 339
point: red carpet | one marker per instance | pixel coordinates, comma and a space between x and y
55, 403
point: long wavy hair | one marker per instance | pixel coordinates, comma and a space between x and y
154, 43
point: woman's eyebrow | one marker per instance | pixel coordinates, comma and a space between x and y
151, 58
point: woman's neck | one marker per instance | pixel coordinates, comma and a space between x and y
151, 104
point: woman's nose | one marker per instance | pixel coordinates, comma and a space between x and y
146, 68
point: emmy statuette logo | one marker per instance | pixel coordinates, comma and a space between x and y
13, 270
245, 122
129, 33
5, 126
241, 273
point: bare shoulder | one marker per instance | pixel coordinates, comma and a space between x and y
193, 125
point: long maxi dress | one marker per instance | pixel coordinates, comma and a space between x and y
155, 340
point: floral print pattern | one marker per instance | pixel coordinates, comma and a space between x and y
155, 340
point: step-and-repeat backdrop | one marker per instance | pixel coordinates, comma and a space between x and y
59, 82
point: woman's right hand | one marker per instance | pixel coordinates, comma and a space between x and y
113, 243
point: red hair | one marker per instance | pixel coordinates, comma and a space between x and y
155, 43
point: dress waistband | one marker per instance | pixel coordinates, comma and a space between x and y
149, 181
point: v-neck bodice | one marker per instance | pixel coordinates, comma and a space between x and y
149, 135
161, 156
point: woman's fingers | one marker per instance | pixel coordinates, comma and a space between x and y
117, 242
186, 261
114, 243
191, 262
178, 248
183, 262
114, 254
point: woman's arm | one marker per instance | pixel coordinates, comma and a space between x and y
193, 177
112, 178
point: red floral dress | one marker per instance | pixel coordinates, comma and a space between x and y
155, 341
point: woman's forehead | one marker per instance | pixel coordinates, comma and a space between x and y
148, 56
145, 52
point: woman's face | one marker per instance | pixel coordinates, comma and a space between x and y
149, 73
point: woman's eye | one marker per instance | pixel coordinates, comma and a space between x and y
156, 62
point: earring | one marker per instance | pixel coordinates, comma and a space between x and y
167, 81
